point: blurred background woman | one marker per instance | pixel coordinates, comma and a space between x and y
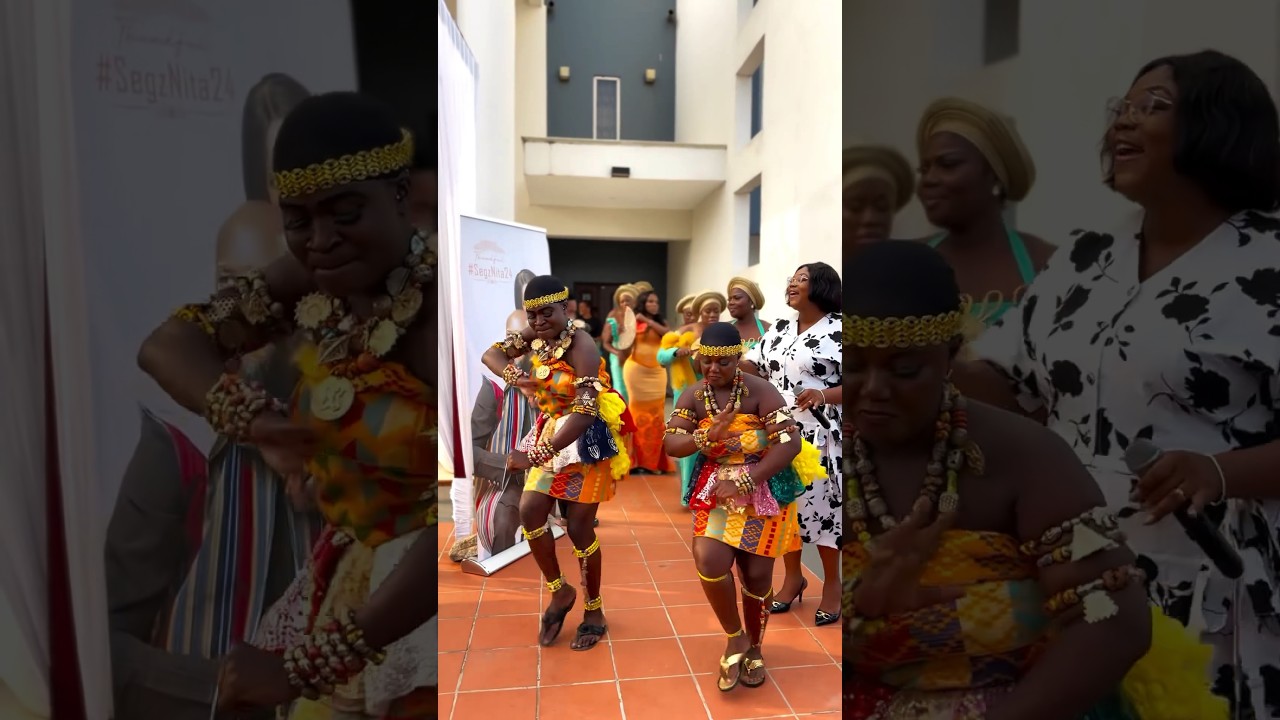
744, 301
684, 309
647, 388
619, 334
677, 356
801, 357
878, 183
1164, 329
972, 163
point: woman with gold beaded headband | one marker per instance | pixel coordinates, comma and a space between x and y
750, 465
981, 531
354, 636
575, 452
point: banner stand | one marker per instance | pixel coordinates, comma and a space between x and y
494, 563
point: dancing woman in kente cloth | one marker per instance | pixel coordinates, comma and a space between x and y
575, 451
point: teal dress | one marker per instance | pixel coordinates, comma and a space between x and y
615, 365
992, 306
748, 344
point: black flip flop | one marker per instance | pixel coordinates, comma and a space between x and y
587, 630
554, 617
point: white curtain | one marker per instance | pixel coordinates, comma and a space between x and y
64, 276
24, 618
457, 75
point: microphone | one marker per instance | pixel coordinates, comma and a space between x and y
1139, 457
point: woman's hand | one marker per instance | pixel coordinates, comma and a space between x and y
526, 385
683, 352
518, 461
808, 399
252, 678
719, 426
285, 445
891, 582
726, 487
1178, 476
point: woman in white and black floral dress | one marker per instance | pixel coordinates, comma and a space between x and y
1168, 329
802, 358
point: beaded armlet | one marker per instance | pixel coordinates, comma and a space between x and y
241, 317
584, 400
1091, 533
513, 345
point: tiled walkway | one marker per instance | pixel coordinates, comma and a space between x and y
659, 659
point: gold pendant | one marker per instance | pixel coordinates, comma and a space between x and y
543, 372
332, 398
537, 343
559, 353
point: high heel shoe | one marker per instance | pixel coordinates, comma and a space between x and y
822, 617
781, 607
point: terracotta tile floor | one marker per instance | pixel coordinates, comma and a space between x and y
659, 658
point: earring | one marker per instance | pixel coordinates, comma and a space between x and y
995, 191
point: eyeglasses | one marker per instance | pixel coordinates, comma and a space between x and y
1136, 110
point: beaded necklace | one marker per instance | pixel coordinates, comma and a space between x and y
551, 351
736, 394
952, 452
350, 345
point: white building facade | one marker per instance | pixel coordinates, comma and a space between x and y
1067, 59
693, 189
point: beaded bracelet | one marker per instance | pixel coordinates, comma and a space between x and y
232, 404
701, 439
542, 453
677, 431
511, 375
746, 485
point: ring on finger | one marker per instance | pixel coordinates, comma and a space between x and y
1180, 494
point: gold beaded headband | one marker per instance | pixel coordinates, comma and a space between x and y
347, 169
538, 302
720, 350
905, 332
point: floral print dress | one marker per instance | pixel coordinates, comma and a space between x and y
794, 362
1190, 360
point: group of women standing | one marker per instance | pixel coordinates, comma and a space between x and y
1158, 333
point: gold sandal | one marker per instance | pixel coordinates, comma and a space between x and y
751, 665
728, 663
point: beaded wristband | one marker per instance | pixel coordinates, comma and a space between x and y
233, 403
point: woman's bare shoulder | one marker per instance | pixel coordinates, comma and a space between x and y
1014, 444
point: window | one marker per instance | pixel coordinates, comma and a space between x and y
606, 98
757, 99
753, 227
1000, 30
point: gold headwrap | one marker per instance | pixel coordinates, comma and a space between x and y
719, 350
545, 300
707, 297
685, 302
867, 161
750, 288
627, 289
642, 286
905, 332
993, 136
347, 169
